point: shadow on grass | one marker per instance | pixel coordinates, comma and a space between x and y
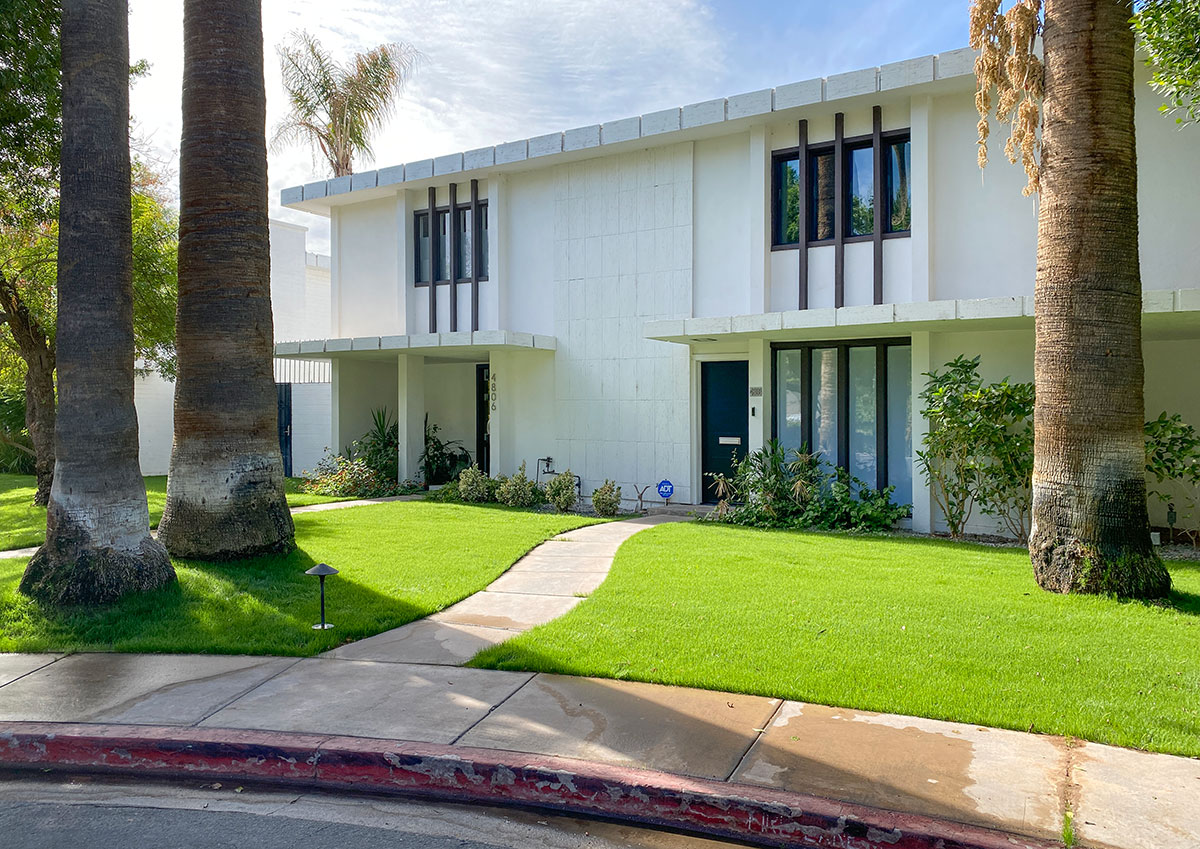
265, 605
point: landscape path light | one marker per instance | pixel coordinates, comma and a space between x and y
321, 570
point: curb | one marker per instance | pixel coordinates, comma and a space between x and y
451, 773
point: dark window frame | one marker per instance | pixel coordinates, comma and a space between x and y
848, 144
458, 207
888, 139
849, 147
842, 347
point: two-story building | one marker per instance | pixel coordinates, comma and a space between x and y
639, 299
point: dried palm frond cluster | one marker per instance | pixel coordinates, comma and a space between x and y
1007, 65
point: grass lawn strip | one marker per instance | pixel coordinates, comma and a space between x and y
912, 626
399, 562
22, 524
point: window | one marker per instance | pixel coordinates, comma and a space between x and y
820, 195
787, 200
897, 217
462, 224
482, 236
851, 403
860, 188
442, 269
421, 247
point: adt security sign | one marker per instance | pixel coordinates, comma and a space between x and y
665, 489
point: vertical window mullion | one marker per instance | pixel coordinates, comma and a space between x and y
806, 400
435, 251
877, 193
839, 210
805, 180
475, 232
452, 272
843, 405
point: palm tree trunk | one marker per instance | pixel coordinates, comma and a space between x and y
1090, 529
98, 544
37, 351
225, 493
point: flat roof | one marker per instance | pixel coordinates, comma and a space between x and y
657, 127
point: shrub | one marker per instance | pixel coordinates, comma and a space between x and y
979, 447
441, 461
16, 451
519, 491
1173, 461
606, 500
561, 491
346, 478
475, 486
769, 491
379, 447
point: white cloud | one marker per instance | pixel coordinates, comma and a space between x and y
492, 70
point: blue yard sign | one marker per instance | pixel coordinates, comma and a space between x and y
665, 489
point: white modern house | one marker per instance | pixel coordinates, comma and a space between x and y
638, 299
300, 303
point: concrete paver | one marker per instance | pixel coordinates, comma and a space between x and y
674, 729
13, 666
578, 548
548, 583
507, 610
1135, 800
982, 776
536, 561
424, 641
155, 688
359, 698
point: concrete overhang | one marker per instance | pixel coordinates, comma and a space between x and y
1166, 314
462, 345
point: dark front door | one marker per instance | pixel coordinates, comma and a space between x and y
483, 412
284, 393
724, 428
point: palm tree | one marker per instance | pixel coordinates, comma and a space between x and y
1090, 531
339, 107
98, 544
225, 491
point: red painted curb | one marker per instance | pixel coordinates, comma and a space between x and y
453, 773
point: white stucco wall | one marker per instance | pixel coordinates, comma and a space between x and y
722, 248
450, 401
154, 399
367, 292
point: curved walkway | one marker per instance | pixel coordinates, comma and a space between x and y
543, 585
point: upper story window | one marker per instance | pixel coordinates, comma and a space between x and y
816, 189
436, 255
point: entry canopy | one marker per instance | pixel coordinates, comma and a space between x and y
464, 344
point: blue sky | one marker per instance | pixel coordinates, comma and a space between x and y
495, 70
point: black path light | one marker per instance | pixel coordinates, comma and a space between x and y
321, 570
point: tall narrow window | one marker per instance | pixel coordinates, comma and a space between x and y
463, 224
483, 241
896, 165
421, 247
787, 201
899, 423
820, 197
860, 205
444, 260
862, 460
825, 404
789, 398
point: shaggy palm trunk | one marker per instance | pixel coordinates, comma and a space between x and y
1090, 529
225, 492
35, 349
98, 544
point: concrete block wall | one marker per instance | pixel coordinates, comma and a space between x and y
623, 255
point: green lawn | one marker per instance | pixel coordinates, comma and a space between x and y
399, 562
22, 524
903, 625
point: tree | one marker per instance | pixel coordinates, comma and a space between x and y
98, 545
339, 107
28, 257
225, 491
1090, 530
1170, 35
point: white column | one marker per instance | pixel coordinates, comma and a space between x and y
410, 400
759, 190
758, 407
404, 259
497, 252
335, 384
922, 362
919, 185
500, 461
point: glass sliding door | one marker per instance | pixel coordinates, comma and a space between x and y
824, 404
863, 449
851, 403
